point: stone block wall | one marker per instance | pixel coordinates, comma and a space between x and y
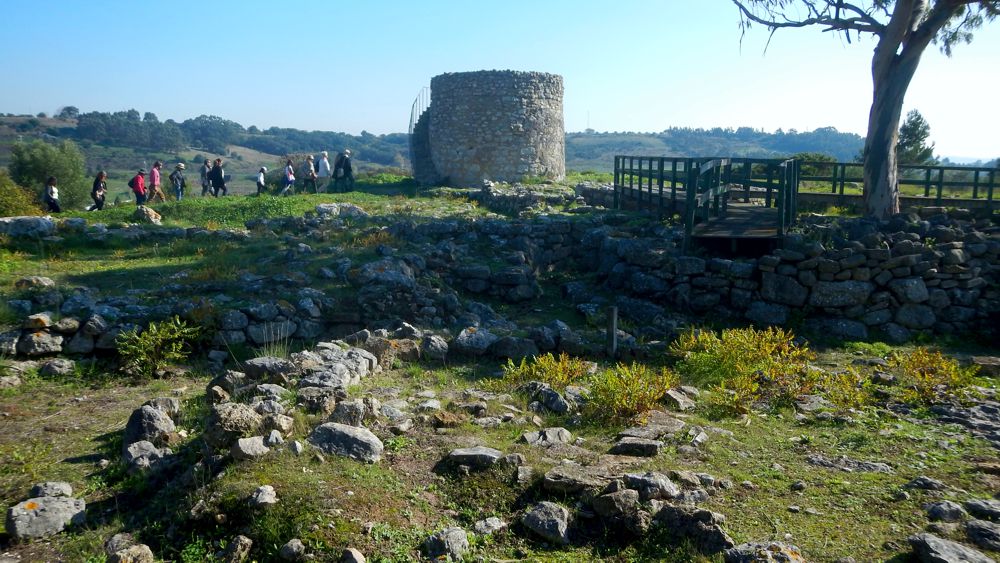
492, 125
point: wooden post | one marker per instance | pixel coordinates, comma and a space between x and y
612, 331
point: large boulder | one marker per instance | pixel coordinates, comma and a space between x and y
474, 341
147, 423
230, 421
701, 527
449, 544
27, 227
763, 553
39, 343
931, 549
269, 368
349, 441
548, 520
478, 457
44, 516
143, 214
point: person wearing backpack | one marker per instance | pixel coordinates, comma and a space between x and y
344, 171
178, 181
309, 175
138, 185
217, 176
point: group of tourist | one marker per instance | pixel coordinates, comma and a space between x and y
314, 175
318, 176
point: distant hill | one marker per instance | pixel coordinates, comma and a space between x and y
119, 139
595, 151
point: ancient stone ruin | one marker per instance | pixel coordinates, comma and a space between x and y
490, 125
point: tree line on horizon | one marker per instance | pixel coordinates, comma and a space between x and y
213, 134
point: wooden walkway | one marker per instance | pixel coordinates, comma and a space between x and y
742, 220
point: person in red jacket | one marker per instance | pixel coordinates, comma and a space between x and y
138, 185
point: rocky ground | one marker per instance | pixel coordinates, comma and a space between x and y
312, 422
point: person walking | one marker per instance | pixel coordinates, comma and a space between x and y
98, 191
289, 177
217, 176
154, 182
138, 185
178, 181
205, 183
323, 172
262, 180
309, 175
344, 171
52, 195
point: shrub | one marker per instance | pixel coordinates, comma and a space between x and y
32, 163
145, 352
624, 392
15, 200
556, 371
849, 389
747, 367
927, 376
708, 358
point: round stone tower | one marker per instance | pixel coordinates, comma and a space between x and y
491, 125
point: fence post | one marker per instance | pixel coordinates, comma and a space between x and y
617, 185
659, 183
940, 185
691, 187
612, 334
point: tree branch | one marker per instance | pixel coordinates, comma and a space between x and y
863, 22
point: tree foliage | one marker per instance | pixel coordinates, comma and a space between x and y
16, 200
903, 29
913, 147
32, 163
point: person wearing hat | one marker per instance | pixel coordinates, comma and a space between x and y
178, 181
324, 172
154, 182
138, 185
261, 180
344, 172
308, 175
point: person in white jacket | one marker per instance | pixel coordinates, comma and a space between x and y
323, 173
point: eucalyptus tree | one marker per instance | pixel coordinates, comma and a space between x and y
903, 29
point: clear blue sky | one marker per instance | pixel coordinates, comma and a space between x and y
635, 65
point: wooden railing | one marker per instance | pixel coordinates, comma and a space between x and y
661, 182
978, 182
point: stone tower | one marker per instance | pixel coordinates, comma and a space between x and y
490, 125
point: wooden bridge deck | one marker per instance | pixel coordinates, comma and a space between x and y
742, 220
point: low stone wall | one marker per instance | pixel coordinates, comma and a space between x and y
935, 272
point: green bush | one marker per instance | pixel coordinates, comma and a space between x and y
144, 352
32, 163
558, 372
15, 200
625, 392
927, 376
746, 367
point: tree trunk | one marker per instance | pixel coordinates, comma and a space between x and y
881, 180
